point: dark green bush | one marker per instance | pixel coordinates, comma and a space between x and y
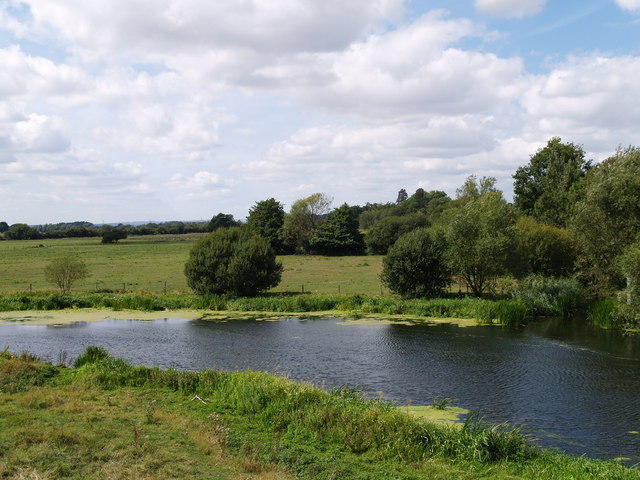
232, 261
415, 265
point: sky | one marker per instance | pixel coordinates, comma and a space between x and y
157, 110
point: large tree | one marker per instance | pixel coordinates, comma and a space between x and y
387, 230
303, 219
266, 218
339, 234
607, 217
416, 265
544, 249
221, 220
481, 241
542, 187
232, 261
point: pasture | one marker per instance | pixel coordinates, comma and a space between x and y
145, 263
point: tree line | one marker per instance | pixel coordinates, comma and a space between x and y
569, 219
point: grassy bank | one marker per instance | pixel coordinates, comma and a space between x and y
147, 263
508, 312
107, 419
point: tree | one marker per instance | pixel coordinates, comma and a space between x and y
65, 271
266, 219
387, 230
232, 261
606, 218
221, 220
544, 249
402, 196
4, 226
481, 241
473, 188
303, 219
542, 188
21, 231
416, 265
113, 235
339, 234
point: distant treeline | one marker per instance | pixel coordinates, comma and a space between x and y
21, 231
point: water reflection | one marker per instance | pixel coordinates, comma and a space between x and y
571, 386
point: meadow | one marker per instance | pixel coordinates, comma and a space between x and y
153, 263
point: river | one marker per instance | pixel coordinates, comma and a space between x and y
568, 385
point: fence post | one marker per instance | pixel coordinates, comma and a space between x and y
338, 289
303, 288
165, 287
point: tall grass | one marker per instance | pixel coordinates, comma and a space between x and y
485, 311
267, 420
338, 417
548, 296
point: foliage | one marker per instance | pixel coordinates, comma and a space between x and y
113, 235
474, 188
544, 249
232, 261
549, 296
65, 271
339, 234
21, 231
303, 219
266, 218
481, 241
387, 230
402, 196
416, 265
541, 188
221, 220
630, 267
607, 218
4, 226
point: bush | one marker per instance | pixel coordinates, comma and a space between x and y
415, 265
64, 271
232, 261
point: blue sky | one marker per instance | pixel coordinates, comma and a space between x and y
135, 110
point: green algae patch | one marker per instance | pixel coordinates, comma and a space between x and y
449, 415
63, 317
382, 319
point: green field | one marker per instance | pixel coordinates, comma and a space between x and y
146, 263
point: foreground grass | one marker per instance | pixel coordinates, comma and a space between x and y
147, 263
107, 419
507, 312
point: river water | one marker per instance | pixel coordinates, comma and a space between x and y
569, 386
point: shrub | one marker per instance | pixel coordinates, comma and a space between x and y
63, 272
550, 296
232, 261
415, 265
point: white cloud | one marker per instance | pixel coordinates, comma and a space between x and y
167, 25
29, 133
631, 5
510, 8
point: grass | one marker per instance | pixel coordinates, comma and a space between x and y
506, 312
145, 263
107, 419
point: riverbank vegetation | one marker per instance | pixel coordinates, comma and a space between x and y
508, 311
148, 423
